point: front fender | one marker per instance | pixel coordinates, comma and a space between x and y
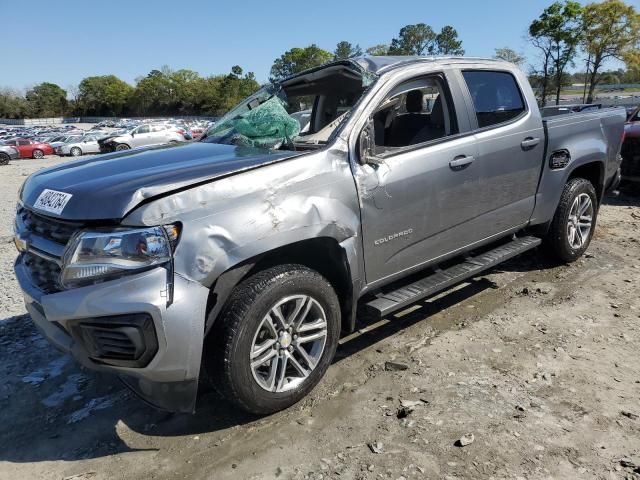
229, 221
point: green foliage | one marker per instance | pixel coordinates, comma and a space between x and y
509, 55
298, 59
379, 50
345, 50
103, 95
12, 104
447, 42
610, 30
418, 39
46, 100
185, 92
556, 34
421, 39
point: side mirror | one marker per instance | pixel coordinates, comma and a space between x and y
367, 145
133, 134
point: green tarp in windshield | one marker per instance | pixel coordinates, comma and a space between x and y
266, 126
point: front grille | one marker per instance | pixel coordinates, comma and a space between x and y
49, 228
45, 274
41, 264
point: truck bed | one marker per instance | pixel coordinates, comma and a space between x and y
587, 136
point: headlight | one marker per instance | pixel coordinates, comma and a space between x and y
101, 255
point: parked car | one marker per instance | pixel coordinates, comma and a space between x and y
631, 148
80, 146
241, 257
8, 153
141, 136
30, 148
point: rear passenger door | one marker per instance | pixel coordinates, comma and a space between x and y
510, 141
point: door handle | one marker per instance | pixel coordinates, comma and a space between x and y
461, 162
529, 142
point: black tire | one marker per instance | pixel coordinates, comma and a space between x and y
37, 153
557, 240
121, 147
227, 362
4, 159
75, 152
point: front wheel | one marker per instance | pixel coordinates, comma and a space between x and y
4, 159
275, 338
75, 152
574, 221
121, 147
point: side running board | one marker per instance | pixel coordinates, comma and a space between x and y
406, 295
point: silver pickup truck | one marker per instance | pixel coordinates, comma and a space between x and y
240, 259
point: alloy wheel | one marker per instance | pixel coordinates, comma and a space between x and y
580, 221
288, 343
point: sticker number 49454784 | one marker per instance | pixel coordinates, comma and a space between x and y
52, 201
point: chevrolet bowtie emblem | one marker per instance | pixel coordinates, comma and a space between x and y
22, 243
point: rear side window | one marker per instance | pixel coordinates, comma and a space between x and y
496, 96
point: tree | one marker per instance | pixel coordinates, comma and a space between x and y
556, 33
104, 95
418, 39
509, 55
611, 30
380, 49
46, 100
298, 59
447, 42
345, 50
12, 104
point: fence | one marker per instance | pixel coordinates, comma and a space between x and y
60, 120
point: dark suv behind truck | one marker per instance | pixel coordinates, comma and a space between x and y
242, 257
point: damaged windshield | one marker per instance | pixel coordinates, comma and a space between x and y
301, 112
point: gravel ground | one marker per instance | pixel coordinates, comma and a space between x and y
13, 175
529, 372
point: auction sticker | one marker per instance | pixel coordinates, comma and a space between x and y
52, 201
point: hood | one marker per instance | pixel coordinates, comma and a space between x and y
111, 185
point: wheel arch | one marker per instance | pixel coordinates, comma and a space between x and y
592, 171
323, 254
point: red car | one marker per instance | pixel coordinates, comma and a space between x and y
30, 148
631, 148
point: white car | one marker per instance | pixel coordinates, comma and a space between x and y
80, 146
142, 136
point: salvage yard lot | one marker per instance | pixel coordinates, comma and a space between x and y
537, 360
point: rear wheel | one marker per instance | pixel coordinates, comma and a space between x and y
121, 147
275, 338
75, 152
37, 153
574, 221
4, 159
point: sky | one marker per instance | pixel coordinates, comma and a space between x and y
63, 41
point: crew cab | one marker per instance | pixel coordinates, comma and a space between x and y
241, 258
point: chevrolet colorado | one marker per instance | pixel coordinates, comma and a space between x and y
240, 258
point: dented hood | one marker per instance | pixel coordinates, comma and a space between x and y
109, 186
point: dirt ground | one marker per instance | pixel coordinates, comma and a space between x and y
537, 361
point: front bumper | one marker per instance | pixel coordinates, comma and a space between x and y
169, 377
15, 155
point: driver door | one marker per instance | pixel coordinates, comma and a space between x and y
419, 191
